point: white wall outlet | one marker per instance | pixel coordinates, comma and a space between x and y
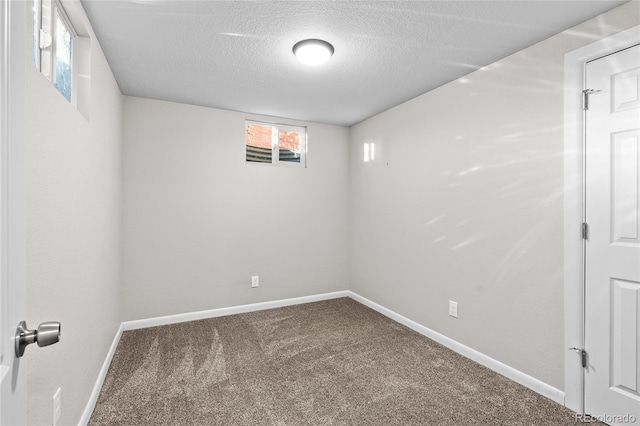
57, 406
255, 281
453, 309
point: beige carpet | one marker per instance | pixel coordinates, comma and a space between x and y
334, 362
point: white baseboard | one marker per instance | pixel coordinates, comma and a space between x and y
482, 359
91, 404
213, 313
192, 316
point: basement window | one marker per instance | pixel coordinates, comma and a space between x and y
280, 144
61, 53
53, 37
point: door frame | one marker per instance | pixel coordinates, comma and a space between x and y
12, 208
574, 208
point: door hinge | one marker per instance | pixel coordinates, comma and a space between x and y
585, 97
585, 231
583, 356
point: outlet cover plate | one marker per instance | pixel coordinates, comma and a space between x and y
453, 309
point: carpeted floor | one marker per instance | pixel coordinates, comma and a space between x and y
334, 362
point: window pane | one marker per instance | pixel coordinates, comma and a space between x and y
259, 143
289, 144
36, 31
63, 59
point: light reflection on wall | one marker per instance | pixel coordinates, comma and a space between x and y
369, 151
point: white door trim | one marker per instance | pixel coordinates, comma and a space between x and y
574, 64
12, 208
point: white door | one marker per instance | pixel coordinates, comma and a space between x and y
12, 213
612, 299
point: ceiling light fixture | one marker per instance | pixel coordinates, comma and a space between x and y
313, 51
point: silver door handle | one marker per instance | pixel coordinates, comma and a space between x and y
47, 334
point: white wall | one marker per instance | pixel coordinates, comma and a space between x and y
464, 202
74, 247
199, 221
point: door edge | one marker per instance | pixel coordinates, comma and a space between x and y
574, 66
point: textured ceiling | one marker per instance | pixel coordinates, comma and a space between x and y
236, 55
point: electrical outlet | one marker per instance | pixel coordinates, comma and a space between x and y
57, 406
255, 281
453, 309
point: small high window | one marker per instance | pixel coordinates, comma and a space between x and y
275, 144
53, 45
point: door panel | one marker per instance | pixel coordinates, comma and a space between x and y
625, 297
625, 187
612, 292
626, 90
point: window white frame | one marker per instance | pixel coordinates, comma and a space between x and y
275, 143
45, 14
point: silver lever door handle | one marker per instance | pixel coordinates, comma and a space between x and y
47, 334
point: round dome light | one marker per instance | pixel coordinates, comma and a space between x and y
312, 51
